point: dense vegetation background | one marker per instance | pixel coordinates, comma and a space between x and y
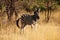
11, 6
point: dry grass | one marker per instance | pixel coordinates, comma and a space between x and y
41, 31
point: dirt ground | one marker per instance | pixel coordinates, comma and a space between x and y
41, 31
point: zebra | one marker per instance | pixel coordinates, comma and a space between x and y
27, 19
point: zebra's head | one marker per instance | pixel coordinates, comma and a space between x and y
36, 14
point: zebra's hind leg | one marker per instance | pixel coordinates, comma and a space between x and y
22, 29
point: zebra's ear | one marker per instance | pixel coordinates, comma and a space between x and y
35, 9
39, 10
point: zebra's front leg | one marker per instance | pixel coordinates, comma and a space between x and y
32, 26
35, 26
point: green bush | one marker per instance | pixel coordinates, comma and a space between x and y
42, 7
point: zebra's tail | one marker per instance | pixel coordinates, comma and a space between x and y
17, 21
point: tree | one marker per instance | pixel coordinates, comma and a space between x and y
1, 5
10, 8
48, 4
